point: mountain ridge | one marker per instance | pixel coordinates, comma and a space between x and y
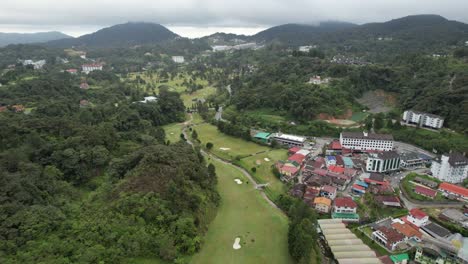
29, 38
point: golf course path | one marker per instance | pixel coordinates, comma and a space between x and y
245, 172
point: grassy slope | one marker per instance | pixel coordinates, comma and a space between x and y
244, 213
263, 173
209, 133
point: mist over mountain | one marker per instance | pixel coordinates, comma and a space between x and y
27, 38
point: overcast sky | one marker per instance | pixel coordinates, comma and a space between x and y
194, 18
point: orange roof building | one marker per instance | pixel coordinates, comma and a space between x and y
448, 188
322, 204
407, 230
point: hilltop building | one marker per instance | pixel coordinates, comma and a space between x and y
364, 141
423, 119
289, 140
451, 167
87, 68
178, 59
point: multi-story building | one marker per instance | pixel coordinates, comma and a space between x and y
322, 204
411, 160
451, 167
383, 161
417, 217
364, 141
344, 205
289, 140
87, 68
423, 119
388, 237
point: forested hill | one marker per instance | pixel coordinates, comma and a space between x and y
86, 176
128, 34
297, 34
25, 38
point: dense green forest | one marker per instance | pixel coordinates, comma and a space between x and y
97, 183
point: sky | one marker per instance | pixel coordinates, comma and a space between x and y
196, 18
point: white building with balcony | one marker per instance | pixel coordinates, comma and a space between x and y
366, 141
451, 167
423, 119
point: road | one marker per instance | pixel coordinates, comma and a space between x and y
228, 163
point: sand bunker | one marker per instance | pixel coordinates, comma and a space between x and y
238, 181
267, 159
224, 148
236, 245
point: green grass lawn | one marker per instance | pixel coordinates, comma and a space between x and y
202, 93
359, 116
268, 115
173, 131
226, 146
243, 213
263, 172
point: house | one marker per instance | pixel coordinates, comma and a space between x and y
417, 217
287, 170
358, 189
310, 194
262, 137
422, 119
388, 237
429, 193
18, 108
364, 141
400, 258
334, 148
322, 204
381, 189
149, 99
293, 150
84, 103
381, 162
299, 158
425, 182
388, 200
84, 86
317, 80
288, 140
328, 191
348, 162
407, 230
178, 59
452, 167
344, 205
87, 68
37, 65
336, 169
411, 160
72, 71
436, 230
454, 191
375, 179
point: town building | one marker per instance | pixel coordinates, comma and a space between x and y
87, 68
288, 140
400, 258
322, 204
72, 71
388, 200
376, 179
407, 230
364, 141
262, 137
452, 167
424, 191
178, 59
37, 65
388, 237
328, 191
425, 182
386, 161
423, 119
344, 205
453, 191
348, 162
455, 216
411, 160
417, 217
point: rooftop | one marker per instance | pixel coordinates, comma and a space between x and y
457, 159
329, 189
336, 169
417, 213
425, 191
454, 189
376, 177
436, 229
391, 234
345, 202
399, 257
363, 135
407, 230
289, 137
262, 135
322, 200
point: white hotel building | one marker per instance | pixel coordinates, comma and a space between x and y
366, 141
451, 168
289, 140
87, 68
423, 119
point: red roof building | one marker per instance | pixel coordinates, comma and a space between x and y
448, 188
425, 191
335, 145
417, 213
293, 150
336, 169
72, 71
297, 158
320, 172
345, 202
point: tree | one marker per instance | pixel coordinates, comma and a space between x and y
209, 145
194, 135
378, 122
253, 169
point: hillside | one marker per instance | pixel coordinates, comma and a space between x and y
26, 38
426, 29
299, 34
120, 35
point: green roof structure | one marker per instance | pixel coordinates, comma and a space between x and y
345, 216
262, 136
399, 258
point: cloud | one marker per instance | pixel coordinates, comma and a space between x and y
57, 14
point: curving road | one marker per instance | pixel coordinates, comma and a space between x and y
245, 172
